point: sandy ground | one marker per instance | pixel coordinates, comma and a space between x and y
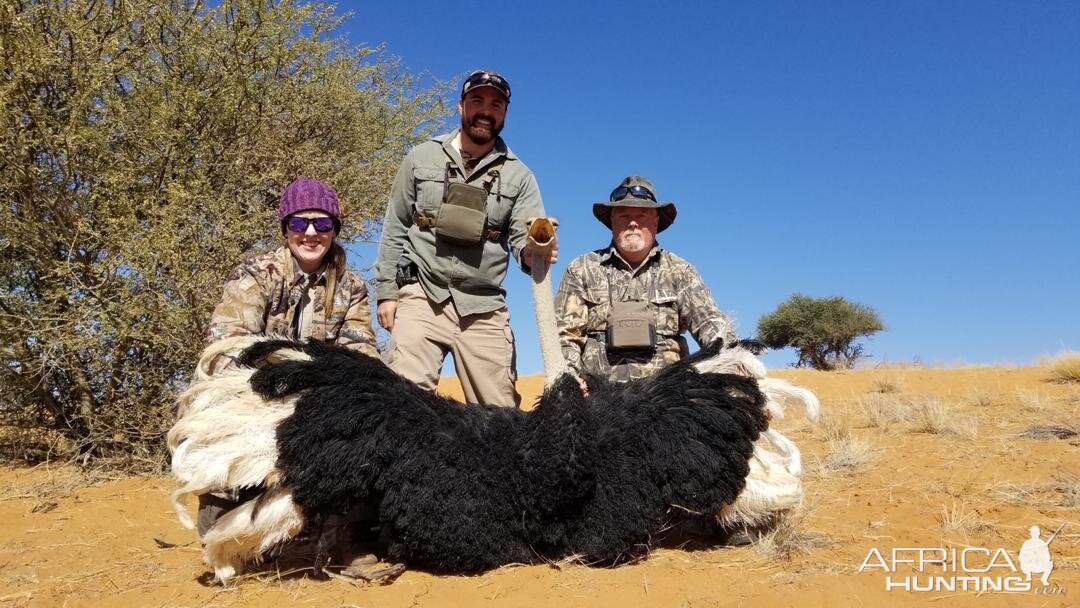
903, 458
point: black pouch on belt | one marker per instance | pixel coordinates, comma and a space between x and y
631, 326
406, 272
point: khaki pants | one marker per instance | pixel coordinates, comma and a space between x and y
482, 345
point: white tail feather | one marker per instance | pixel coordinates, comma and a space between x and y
770, 489
245, 533
773, 486
781, 393
225, 438
221, 355
737, 360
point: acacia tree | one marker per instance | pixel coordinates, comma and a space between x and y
145, 143
824, 330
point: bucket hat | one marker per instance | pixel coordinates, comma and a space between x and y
635, 191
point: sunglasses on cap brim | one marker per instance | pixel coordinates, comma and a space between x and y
478, 79
622, 192
300, 224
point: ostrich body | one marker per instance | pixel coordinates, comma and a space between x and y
459, 489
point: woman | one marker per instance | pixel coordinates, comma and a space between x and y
301, 291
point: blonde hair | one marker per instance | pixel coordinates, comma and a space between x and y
335, 269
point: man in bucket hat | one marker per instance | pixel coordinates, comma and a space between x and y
622, 309
457, 212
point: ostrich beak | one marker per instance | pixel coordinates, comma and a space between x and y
542, 234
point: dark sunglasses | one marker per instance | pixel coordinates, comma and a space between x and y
300, 224
622, 192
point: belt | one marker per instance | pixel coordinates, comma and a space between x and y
601, 336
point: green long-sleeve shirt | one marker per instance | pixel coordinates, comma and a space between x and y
471, 275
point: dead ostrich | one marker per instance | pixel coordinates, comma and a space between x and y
467, 489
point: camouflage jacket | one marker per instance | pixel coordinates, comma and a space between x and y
262, 296
674, 293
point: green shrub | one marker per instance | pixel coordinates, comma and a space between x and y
823, 330
145, 145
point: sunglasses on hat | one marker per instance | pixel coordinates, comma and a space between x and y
296, 223
482, 78
622, 192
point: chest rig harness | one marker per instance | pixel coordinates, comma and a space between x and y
462, 215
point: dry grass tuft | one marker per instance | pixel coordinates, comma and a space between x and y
1061, 492
1064, 368
915, 363
45, 482
888, 384
1067, 485
790, 538
931, 416
883, 411
937, 417
980, 397
1050, 432
965, 427
846, 455
835, 427
1033, 401
957, 517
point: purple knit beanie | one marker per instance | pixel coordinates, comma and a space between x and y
305, 194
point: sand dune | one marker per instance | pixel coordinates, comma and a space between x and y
903, 458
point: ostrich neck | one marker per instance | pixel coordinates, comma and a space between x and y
546, 325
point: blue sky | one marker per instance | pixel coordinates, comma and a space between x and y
922, 158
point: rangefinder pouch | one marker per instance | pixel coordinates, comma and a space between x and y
631, 326
462, 215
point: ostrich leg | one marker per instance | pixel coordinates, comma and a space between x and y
542, 238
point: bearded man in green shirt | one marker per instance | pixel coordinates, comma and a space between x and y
458, 210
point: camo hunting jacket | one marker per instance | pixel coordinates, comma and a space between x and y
264, 295
674, 292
